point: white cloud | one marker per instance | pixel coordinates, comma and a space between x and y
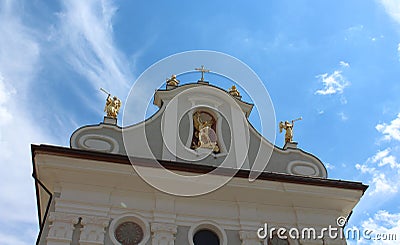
344, 64
5, 97
392, 7
383, 167
329, 166
384, 224
383, 180
19, 51
355, 28
385, 157
354, 33
390, 131
86, 39
391, 160
86, 30
398, 50
379, 155
343, 116
364, 168
382, 185
19, 59
9, 239
334, 83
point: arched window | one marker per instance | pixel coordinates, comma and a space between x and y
205, 237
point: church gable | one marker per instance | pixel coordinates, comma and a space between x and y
198, 124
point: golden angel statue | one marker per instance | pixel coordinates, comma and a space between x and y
206, 136
112, 105
289, 129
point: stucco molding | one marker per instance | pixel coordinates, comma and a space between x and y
303, 168
98, 142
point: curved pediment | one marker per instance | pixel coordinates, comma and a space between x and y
198, 124
164, 96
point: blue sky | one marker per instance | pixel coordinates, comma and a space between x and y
336, 63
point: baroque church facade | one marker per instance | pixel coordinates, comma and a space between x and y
182, 177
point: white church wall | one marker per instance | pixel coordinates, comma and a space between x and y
116, 192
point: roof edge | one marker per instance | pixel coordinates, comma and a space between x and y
194, 168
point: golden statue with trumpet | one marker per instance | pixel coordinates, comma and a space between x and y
289, 129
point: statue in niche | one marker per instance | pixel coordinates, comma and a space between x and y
204, 135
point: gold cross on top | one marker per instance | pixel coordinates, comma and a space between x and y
202, 70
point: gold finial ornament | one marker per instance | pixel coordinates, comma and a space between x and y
112, 105
172, 81
233, 91
202, 70
289, 129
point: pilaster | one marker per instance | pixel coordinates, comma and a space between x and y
93, 230
61, 228
163, 233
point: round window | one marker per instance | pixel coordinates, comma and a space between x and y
129, 233
205, 237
